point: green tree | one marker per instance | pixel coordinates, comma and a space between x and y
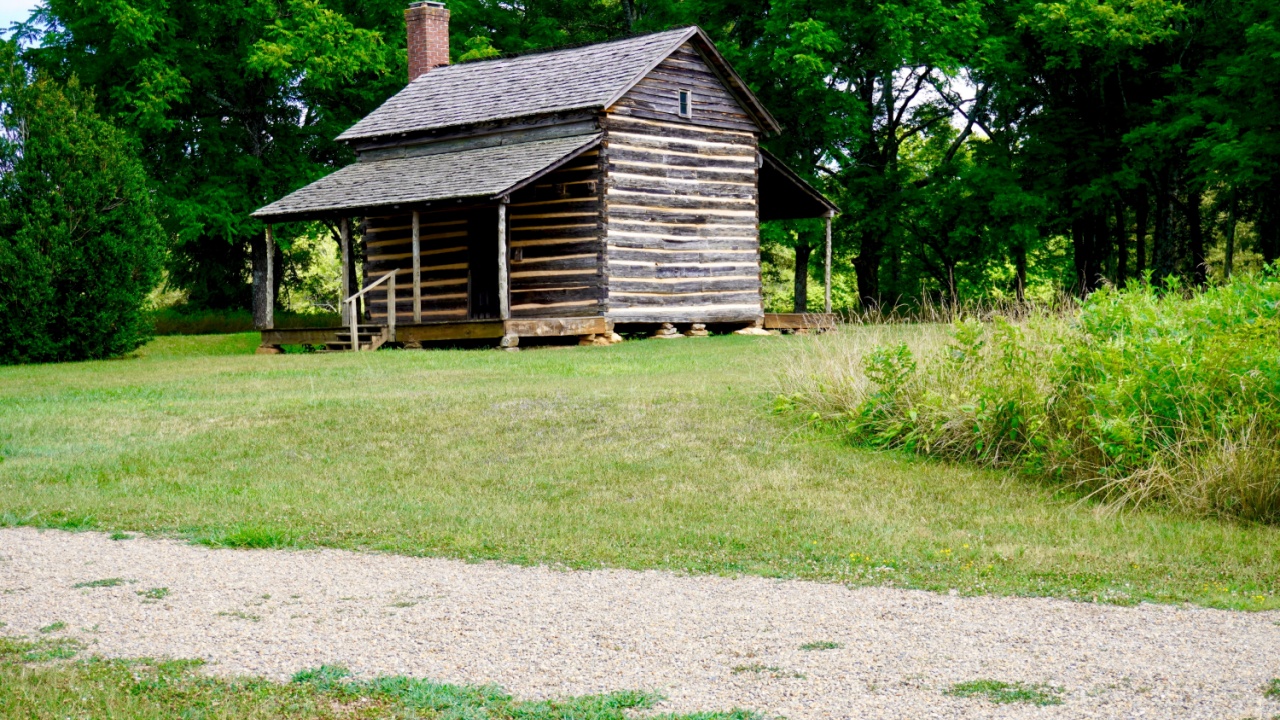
80, 247
233, 105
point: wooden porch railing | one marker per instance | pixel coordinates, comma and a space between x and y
391, 308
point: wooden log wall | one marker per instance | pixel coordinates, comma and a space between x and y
682, 217
555, 251
443, 241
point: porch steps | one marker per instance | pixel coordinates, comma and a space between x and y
370, 337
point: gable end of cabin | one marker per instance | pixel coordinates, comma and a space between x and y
680, 202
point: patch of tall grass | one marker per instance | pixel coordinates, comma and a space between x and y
1137, 396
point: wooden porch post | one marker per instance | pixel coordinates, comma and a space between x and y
504, 300
417, 273
344, 234
263, 287
826, 271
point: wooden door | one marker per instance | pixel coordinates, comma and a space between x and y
482, 261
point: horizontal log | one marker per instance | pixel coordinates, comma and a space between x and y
424, 241
528, 236
681, 287
564, 227
586, 261
666, 171
630, 109
745, 313
436, 332
566, 309
433, 256
657, 242
799, 321
429, 304
674, 256
628, 153
675, 230
515, 208
523, 288
622, 300
741, 207
675, 186
635, 213
577, 293
559, 327
630, 269
677, 130
746, 152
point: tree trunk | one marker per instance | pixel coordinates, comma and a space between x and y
1141, 216
1122, 245
1229, 253
866, 268
1087, 233
263, 285
1020, 273
1195, 239
802, 278
1162, 255
1268, 226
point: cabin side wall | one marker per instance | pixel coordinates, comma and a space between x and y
442, 239
681, 201
555, 253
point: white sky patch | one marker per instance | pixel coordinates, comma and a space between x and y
12, 11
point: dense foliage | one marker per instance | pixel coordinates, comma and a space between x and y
978, 148
80, 246
1139, 396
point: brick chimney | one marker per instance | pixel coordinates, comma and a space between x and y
427, 23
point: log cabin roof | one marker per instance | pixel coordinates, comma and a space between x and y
581, 78
481, 173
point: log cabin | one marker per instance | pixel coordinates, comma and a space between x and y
618, 185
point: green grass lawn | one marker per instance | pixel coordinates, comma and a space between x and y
648, 454
46, 679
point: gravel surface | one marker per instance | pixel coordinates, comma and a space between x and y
706, 643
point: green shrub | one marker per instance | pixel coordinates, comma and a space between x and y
80, 246
1140, 396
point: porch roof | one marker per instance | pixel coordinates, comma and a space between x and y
485, 173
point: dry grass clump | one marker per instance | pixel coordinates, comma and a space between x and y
1137, 396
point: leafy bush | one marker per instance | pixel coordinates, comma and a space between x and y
80, 246
1139, 396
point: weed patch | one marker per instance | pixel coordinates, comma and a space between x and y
1002, 692
1272, 689
159, 593
53, 627
103, 583
821, 645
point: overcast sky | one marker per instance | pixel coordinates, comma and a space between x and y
12, 11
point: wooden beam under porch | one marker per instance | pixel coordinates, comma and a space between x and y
415, 333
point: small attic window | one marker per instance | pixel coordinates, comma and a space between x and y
686, 103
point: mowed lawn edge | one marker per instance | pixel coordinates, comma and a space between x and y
649, 454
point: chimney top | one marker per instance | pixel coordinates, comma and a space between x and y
427, 28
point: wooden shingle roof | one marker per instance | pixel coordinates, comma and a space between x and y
581, 78
481, 173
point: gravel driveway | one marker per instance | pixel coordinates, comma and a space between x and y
706, 643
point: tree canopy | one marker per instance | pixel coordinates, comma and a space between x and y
977, 148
